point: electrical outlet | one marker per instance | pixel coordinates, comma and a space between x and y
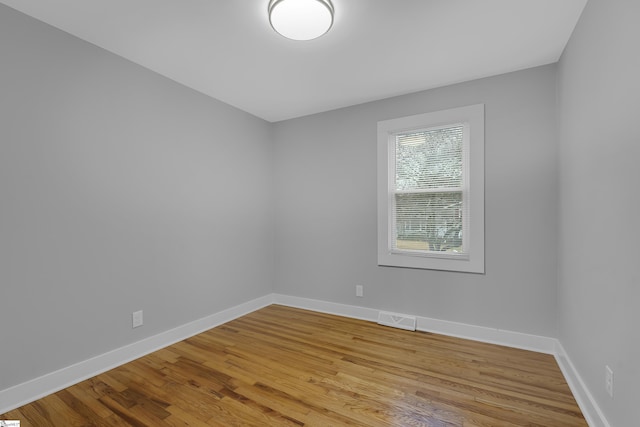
359, 290
608, 381
137, 318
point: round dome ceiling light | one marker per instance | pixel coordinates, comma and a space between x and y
301, 19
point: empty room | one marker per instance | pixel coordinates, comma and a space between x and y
319, 213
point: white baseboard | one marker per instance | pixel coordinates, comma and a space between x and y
353, 311
507, 338
37, 388
426, 324
588, 405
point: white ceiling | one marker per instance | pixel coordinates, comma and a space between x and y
376, 48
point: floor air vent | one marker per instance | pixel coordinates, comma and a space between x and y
395, 320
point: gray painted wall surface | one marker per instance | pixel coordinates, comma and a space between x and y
599, 203
326, 208
120, 190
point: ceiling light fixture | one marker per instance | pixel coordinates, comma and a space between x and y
301, 19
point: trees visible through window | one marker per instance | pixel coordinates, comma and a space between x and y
429, 178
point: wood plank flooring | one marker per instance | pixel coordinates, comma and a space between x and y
281, 366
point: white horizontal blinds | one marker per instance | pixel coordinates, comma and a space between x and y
428, 191
430, 159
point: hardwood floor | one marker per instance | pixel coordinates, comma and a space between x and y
281, 366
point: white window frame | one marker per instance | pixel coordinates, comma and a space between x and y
472, 117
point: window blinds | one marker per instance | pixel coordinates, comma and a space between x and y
429, 208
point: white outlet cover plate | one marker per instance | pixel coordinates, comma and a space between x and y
137, 318
608, 381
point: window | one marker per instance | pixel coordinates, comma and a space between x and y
431, 190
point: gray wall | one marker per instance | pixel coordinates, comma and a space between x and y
120, 190
326, 208
599, 203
